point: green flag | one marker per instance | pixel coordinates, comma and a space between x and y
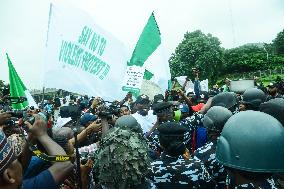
17, 87
148, 42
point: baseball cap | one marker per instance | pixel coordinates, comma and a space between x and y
158, 98
184, 108
87, 117
142, 99
7, 153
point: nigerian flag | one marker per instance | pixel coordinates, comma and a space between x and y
147, 61
18, 89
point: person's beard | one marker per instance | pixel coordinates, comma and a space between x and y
272, 93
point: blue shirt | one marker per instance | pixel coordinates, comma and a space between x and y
43, 181
35, 167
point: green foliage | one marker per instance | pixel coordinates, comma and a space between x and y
203, 51
122, 160
244, 59
197, 50
278, 43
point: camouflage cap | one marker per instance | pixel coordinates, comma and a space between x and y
122, 160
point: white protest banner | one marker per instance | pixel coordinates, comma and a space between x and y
150, 89
181, 80
81, 57
204, 85
189, 87
241, 85
133, 78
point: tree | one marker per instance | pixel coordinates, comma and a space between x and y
197, 50
278, 43
245, 58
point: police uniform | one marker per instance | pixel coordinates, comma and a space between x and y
194, 124
173, 171
267, 184
214, 121
177, 173
153, 139
207, 154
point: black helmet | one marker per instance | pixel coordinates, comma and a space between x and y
161, 107
275, 108
252, 141
253, 98
216, 117
171, 137
225, 99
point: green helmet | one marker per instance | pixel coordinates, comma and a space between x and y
216, 117
275, 108
225, 99
129, 122
253, 98
252, 141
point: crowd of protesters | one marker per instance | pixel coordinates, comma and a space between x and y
216, 139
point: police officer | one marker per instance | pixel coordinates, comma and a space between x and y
252, 98
275, 108
165, 113
251, 148
224, 99
214, 121
273, 91
173, 169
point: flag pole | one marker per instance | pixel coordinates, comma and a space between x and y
43, 90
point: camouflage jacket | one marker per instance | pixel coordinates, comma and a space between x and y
207, 154
177, 173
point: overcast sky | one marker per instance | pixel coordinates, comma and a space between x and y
23, 25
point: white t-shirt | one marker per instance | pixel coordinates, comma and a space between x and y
146, 122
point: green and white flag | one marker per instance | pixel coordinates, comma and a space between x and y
18, 89
147, 61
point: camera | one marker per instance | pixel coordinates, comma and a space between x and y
12, 100
106, 111
70, 111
